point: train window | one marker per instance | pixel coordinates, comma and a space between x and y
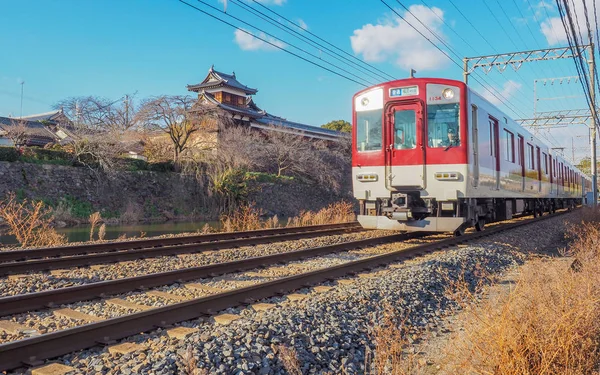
545, 163
368, 130
405, 129
530, 157
442, 124
521, 150
509, 146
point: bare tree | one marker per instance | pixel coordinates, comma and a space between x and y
86, 112
17, 132
179, 117
98, 150
287, 150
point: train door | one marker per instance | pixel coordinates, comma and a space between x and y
539, 167
495, 144
522, 161
475, 144
404, 146
550, 170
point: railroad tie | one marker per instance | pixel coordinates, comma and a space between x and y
181, 333
322, 288
125, 348
126, 304
225, 319
295, 297
263, 306
12, 327
74, 314
52, 369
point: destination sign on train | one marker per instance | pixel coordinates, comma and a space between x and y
404, 91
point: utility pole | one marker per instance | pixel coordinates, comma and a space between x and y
22, 83
126, 111
593, 126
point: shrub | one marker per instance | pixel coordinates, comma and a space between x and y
134, 165
162, 166
9, 154
30, 222
35, 154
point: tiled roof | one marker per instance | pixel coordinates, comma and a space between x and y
278, 121
221, 79
39, 135
43, 116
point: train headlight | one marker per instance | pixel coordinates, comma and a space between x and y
364, 102
367, 177
447, 176
448, 94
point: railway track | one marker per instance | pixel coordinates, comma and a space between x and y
36, 349
21, 261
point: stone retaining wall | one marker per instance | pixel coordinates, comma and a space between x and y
150, 195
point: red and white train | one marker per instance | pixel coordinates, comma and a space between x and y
433, 155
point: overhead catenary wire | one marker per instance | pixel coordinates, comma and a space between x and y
287, 43
323, 48
274, 45
446, 54
480, 34
323, 40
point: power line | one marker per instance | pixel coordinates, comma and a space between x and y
273, 44
321, 39
286, 42
439, 49
304, 38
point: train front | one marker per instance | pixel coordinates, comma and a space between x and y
409, 159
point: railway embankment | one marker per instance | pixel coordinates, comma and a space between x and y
335, 328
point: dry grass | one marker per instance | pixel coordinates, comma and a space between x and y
549, 323
102, 232
95, 219
339, 212
289, 358
391, 354
248, 217
30, 222
189, 364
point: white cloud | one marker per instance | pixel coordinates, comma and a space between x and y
248, 42
554, 30
508, 90
273, 2
302, 24
395, 39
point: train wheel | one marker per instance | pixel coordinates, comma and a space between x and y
479, 226
535, 212
459, 232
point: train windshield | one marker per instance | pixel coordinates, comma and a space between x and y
368, 130
442, 125
405, 129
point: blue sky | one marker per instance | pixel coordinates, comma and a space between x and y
110, 48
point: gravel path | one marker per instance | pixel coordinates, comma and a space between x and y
40, 281
330, 330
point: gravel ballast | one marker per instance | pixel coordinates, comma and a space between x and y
330, 330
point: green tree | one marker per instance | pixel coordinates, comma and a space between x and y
585, 165
339, 125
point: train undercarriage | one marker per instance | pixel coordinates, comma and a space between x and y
410, 212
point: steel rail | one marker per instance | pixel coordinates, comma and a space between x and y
39, 300
36, 349
120, 256
19, 255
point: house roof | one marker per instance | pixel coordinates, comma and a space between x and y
39, 134
215, 79
48, 116
308, 130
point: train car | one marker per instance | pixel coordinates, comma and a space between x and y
433, 155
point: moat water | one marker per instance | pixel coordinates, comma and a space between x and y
82, 232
